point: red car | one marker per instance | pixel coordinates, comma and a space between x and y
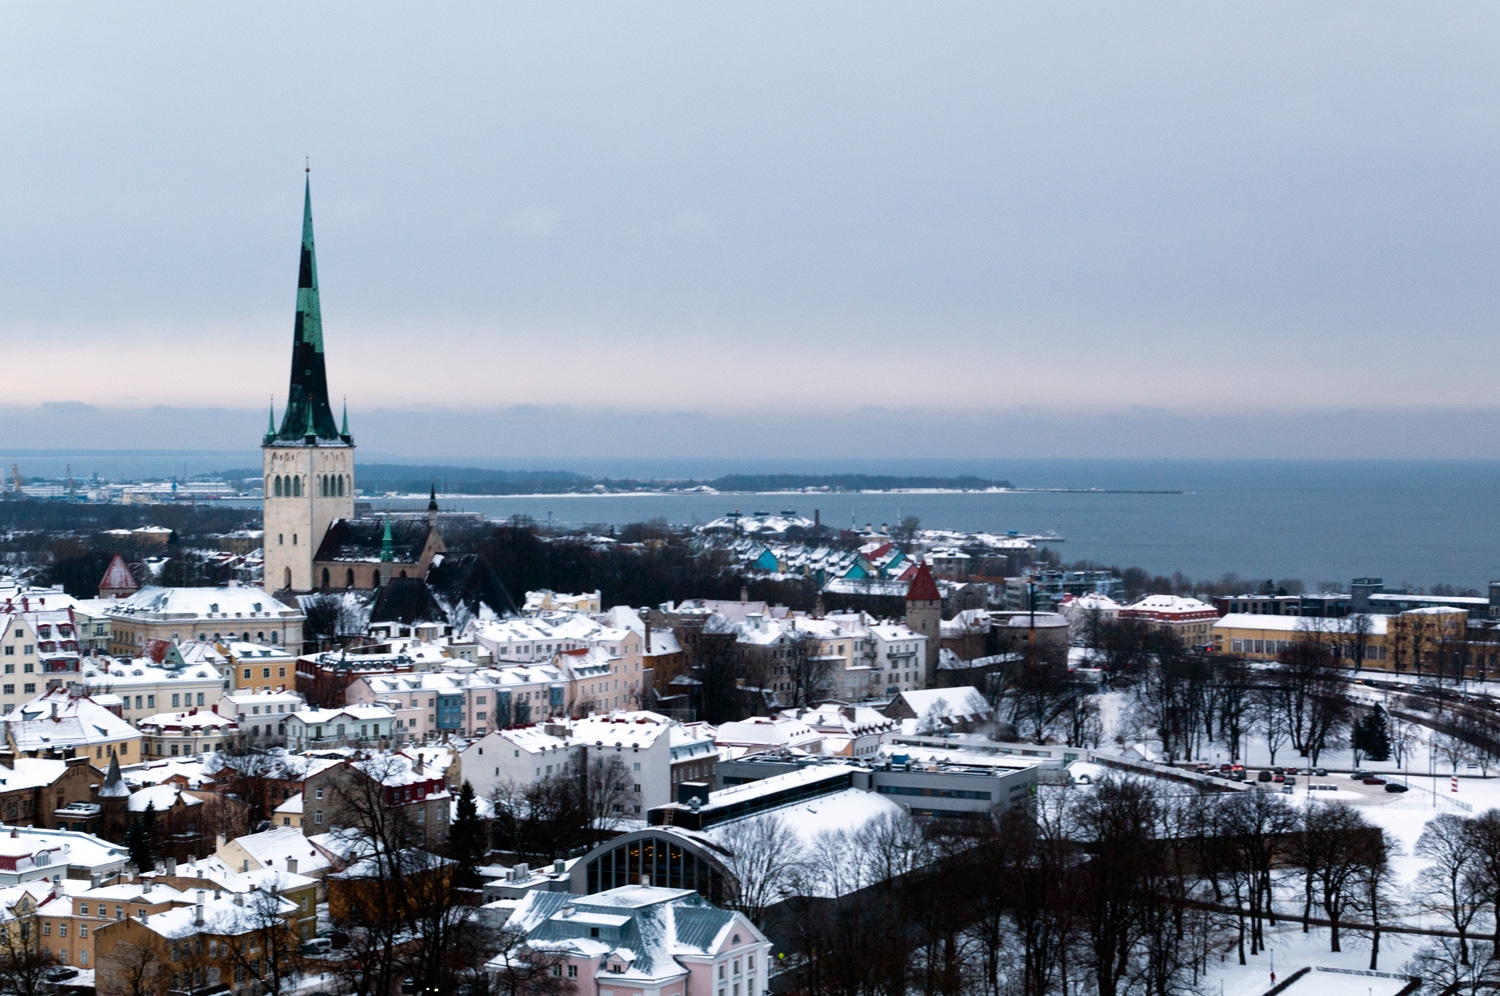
1372, 780
1280, 778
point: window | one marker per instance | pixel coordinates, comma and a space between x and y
318, 817
572, 971
29, 687
317, 793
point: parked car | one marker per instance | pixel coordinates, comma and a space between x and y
1358, 773
1281, 778
1264, 776
1289, 771
1372, 780
1320, 772
1395, 787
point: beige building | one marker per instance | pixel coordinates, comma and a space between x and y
1190, 620
1263, 637
220, 615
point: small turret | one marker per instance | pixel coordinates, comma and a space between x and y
387, 553
432, 509
344, 429
271, 425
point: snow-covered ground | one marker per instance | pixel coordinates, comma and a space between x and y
1288, 949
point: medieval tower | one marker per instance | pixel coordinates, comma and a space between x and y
309, 461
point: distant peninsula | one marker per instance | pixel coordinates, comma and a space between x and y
410, 479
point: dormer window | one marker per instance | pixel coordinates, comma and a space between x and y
593, 931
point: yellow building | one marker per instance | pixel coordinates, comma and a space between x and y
1262, 637
1426, 639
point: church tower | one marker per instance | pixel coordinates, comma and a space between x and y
309, 461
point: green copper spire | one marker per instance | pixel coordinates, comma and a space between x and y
344, 432
271, 422
307, 397
387, 544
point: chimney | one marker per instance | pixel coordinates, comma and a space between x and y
198, 910
559, 866
646, 881
219, 842
239, 899
172, 866
94, 880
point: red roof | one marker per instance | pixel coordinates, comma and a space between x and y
118, 576
923, 588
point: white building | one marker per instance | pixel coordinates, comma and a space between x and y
261, 716
514, 758
190, 733
332, 727
145, 689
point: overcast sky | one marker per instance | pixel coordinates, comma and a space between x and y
689, 224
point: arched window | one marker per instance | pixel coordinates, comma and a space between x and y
325, 577
287, 578
349, 579
278, 485
341, 485
403, 574
297, 486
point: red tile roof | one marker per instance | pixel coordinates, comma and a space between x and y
923, 588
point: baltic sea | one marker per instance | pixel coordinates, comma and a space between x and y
1414, 523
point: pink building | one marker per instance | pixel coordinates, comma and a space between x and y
638, 940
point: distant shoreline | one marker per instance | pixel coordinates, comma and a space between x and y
701, 492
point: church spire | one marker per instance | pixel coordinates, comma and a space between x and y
307, 397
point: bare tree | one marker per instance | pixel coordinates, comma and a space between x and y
133, 970
604, 790
765, 856
1452, 885
807, 669
1358, 628
265, 942
1404, 734
514, 968
24, 963
1451, 749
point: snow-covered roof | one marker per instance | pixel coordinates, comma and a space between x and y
230, 602
1170, 605
58, 719
272, 848
161, 798
1300, 624
963, 700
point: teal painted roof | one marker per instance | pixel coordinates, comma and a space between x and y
307, 408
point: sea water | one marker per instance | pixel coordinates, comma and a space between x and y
1413, 523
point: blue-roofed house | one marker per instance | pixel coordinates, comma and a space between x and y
637, 940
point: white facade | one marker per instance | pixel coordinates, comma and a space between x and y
513, 758
295, 525
352, 724
261, 716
